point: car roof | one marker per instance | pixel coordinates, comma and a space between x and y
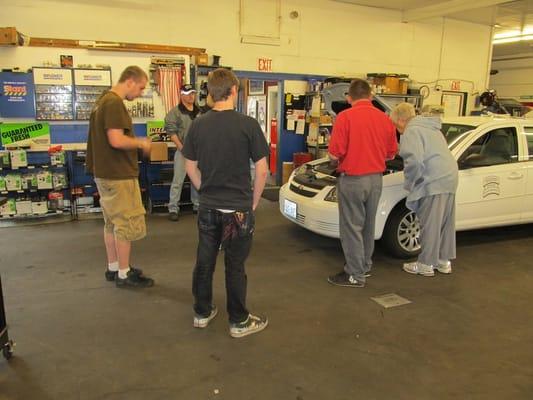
475, 120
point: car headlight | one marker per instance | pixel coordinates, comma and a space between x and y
332, 195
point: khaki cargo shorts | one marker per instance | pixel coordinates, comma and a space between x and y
122, 207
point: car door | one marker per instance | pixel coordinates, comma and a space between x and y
528, 201
492, 181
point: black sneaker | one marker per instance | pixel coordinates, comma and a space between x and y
173, 216
111, 276
251, 325
135, 279
343, 279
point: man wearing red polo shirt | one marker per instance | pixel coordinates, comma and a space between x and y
363, 138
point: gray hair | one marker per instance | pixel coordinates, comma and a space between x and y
404, 111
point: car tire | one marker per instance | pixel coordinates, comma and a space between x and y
401, 236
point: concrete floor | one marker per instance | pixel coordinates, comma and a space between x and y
465, 336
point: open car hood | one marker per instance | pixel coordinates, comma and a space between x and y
321, 173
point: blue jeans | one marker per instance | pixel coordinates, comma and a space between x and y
177, 185
211, 224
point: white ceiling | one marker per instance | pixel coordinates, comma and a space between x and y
506, 16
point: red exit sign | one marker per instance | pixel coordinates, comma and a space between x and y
264, 64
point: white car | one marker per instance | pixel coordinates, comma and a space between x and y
495, 157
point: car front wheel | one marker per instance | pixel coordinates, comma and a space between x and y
402, 233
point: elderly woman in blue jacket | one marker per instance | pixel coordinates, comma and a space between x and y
431, 176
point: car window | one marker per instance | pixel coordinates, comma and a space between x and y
529, 135
453, 131
499, 146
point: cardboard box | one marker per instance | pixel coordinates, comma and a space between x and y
18, 158
159, 152
2, 183
39, 207
8, 208
202, 59
325, 120
403, 86
288, 167
8, 36
23, 207
44, 180
13, 182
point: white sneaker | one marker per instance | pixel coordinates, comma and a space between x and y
202, 322
444, 267
252, 324
419, 269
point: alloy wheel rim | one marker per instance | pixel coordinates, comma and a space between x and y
409, 233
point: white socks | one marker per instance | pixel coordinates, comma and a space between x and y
123, 273
113, 266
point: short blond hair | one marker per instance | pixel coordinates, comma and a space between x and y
133, 72
404, 111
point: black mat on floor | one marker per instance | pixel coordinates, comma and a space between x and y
271, 194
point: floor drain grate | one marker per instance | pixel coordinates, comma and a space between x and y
390, 300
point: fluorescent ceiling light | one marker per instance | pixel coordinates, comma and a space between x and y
519, 38
506, 34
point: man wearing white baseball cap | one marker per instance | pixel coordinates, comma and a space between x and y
177, 123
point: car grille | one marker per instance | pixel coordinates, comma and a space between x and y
300, 218
327, 226
301, 191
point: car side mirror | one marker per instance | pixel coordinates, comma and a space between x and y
462, 164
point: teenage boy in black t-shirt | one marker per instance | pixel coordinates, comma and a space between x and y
218, 150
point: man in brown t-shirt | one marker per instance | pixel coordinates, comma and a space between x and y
112, 160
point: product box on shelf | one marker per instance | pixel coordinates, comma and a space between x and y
2, 183
4, 159
39, 207
159, 152
8, 208
23, 207
57, 158
59, 180
18, 158
29, 181
44, 179
13, 182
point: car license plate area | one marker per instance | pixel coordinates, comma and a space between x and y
290, 208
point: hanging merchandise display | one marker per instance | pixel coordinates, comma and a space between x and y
88, 87
141, 107
53, 93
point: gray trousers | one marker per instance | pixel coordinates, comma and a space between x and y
177, 185
437, 228
358, 198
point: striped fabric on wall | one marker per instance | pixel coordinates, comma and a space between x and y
169, 82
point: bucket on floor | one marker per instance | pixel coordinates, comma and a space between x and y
301, 158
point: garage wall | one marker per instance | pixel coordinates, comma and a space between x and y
514, 78
327, 38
